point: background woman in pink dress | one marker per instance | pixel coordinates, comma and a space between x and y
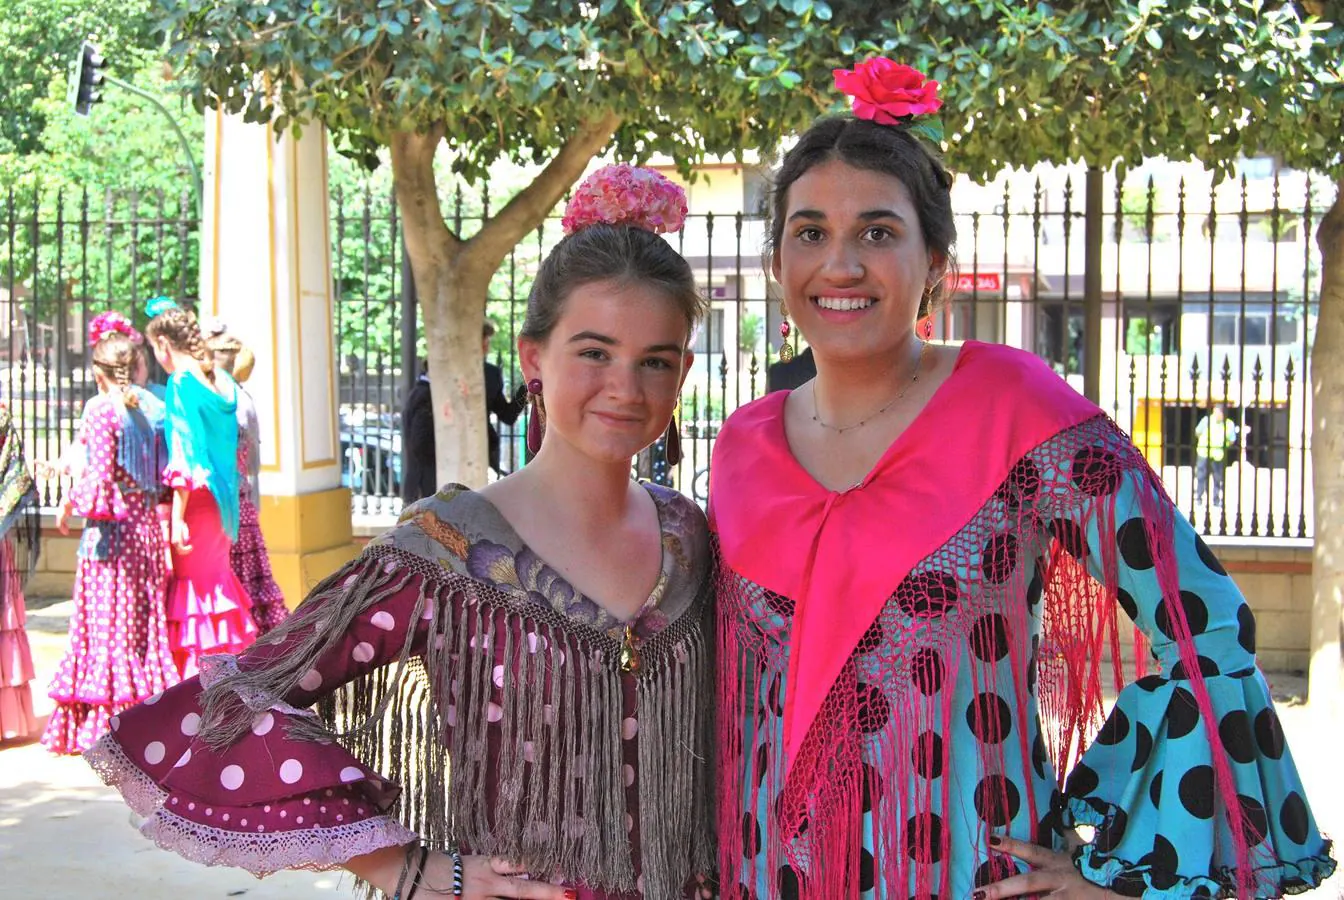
251, 562
18, 512
118, 653
209, 610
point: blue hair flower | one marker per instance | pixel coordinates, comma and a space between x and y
159, 305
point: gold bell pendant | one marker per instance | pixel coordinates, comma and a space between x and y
630, 659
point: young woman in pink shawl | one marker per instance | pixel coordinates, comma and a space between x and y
926, 554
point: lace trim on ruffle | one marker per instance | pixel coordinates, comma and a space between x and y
261, 853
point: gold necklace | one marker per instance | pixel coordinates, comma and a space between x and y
841, 429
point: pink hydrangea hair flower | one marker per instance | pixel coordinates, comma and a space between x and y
626, 195
106, 323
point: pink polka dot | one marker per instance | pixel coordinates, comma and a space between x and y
629, 728
629, 822
299, 820
263, 724
498, 676
383, 621
154, 752
451, 716
183, 759
191, 724
232, 777
311, 680
363, 652
535, 642
291, 770
529, 751
150, 701
629, 772
494, 712
350, 773
115, 722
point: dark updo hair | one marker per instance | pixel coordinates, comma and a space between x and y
178, 324
114, 358
889, 150
610, 253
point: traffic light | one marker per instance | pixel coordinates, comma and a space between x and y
88, 78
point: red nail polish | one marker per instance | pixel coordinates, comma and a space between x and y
995, 840
571, 895
978, 895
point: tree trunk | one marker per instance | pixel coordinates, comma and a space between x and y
1326, 677
452, 278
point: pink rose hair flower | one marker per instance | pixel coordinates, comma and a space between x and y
626, 195
887, 92
112, 321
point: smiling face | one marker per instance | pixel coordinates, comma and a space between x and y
611, 369
852, 261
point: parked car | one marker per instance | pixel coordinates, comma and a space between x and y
371, 458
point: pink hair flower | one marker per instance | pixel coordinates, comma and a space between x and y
110, 322
626, 195
888, 92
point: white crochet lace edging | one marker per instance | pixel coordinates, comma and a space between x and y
261, 853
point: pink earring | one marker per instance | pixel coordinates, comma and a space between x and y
924, 328
535, 424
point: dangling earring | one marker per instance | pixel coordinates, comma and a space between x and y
785, 348
672, 440
536, 425
924, 328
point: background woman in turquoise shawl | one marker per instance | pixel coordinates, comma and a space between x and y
209, 610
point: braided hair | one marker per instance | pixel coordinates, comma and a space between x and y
183, 332
231, 355
114, 357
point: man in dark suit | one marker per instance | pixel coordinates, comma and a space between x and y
791, 375
417, 425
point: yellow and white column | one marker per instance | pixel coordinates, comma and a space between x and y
266, 271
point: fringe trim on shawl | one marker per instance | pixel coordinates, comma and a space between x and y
861, 750
562, 706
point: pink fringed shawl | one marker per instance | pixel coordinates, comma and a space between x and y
854, 575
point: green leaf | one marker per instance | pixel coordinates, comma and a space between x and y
789, 79
1154, 39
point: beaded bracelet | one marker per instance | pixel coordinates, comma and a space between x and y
457, 874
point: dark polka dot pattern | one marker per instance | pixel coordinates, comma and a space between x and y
1235, 733
1127, 604
1207, 557
1196, 792
924, 837
1132, 538
927, 754
1246, 628
1143, 747
1083, 781
927, 671
926, 594
751, 835
1207, 667
867, 871
872, 787
1254, 819
1115, 730
1095, 471
1269, 733
1293, 818
996, 868
1071, 537
788, 884
997, 800
1196, 615
873, 708
989, 637
1182, 713
999, 559
989, 717
1112, 831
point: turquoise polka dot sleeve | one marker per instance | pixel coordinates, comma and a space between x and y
1147, 782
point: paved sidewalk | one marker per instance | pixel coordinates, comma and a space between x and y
64, 835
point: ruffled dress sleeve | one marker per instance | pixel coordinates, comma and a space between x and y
95, 493
1154, 780
277, 792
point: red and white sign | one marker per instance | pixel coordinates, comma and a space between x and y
979, 282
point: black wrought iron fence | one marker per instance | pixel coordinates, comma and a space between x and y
1208, 299
65, 257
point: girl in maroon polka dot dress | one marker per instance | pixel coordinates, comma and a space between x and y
118, 653
209, 610
546, 640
